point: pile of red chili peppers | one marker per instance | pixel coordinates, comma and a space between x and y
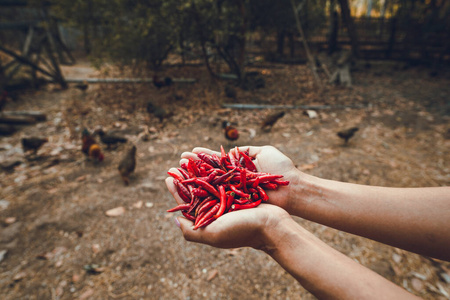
211, 185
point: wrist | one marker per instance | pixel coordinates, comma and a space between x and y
304, 192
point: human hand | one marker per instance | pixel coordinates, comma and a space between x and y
242, 228
268, 159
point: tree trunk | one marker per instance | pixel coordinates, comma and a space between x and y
333, 29
346, 16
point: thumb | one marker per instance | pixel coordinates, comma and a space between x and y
187, 227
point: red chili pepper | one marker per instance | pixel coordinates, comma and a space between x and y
194, 203
239, 192
188, 216
184, 173
248, 162
192, 168
243, 179
230, 200
205, 206
245, 206
262, 193
208, 159
207, 187
205, 223
268, 178
223, 177
256, 183
237, 153
183, 192
269, 186
242, 201
176, 176
222, 152
232, 159
200, 192
280, 182
179, 207
223, 202
210, 214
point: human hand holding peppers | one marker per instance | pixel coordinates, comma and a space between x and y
414, 219
268, 159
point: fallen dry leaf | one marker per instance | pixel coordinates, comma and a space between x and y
138, 204
212, 274
88, 293
19, 276
115, 212
10, 220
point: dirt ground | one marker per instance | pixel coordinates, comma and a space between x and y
58, 243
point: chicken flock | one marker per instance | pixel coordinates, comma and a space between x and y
93, 151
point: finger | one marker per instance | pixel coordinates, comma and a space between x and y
187, 227
205, 150
188, 155
173, 190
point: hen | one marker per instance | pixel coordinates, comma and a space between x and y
158, 111
110, 139
270, 120
231, 132
161, 83
127, 164
90, 146
82, 86
347, 134
33, 144
95, 152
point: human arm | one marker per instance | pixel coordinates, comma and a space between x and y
325, 272
414, 219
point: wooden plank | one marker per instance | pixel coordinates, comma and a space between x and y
125, 80
269, 106
17, 120
37, 115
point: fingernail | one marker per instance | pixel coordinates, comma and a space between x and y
177, 222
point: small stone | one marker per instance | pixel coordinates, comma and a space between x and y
115, 212
397, 258
2, 254
138, 204
417, 284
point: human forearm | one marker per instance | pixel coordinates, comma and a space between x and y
322, 270
415, 219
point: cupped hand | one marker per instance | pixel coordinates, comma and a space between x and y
242, 228
268, 159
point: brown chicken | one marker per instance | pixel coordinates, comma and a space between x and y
162, 83
347, 134
87, 140
270, 120
158, 111
231, 132
90, 147
33, 144
82, 86
95, 152
110, 139
127, 164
